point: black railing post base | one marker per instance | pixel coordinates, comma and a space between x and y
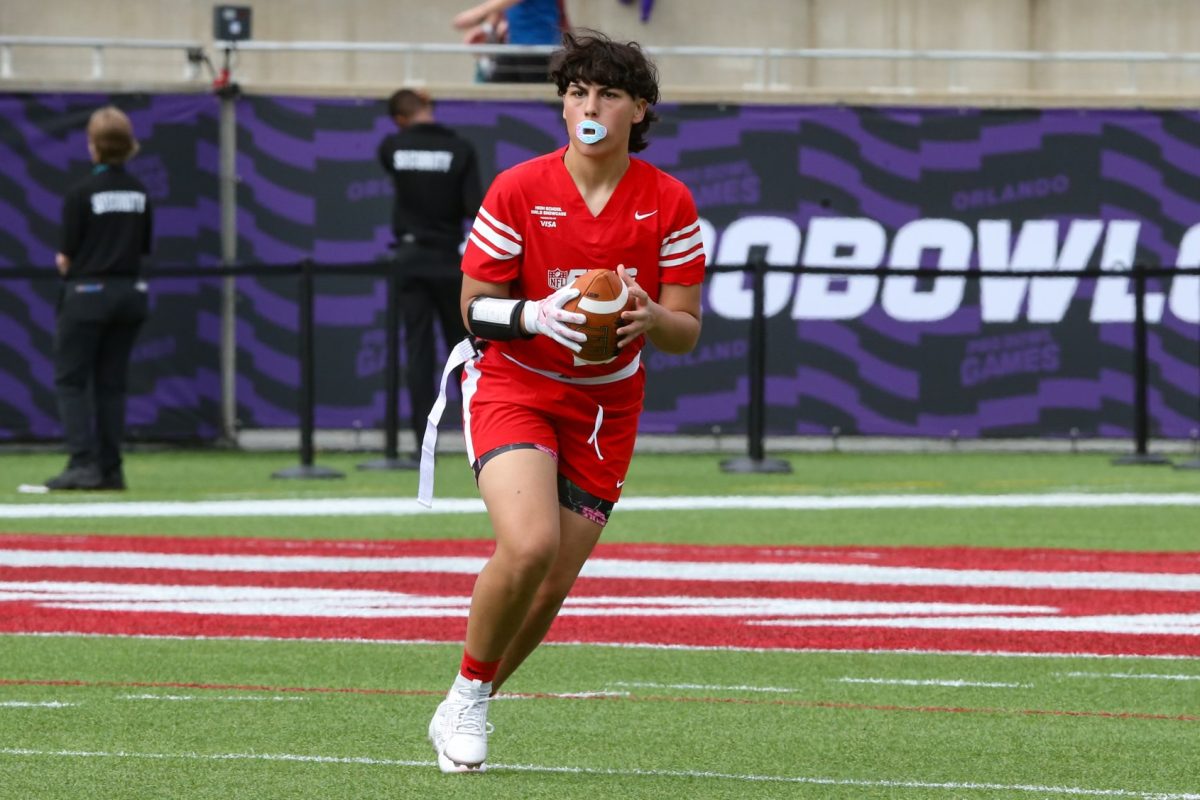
397, 463
1135, 459
308, 471
746, 464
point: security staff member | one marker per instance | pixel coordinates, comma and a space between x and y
107, 228
437, 188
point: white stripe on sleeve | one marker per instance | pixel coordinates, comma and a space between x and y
687, 258
498, 244
485, 247
498, 225
680, 245
682, 232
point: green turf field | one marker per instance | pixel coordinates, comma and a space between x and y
221, 718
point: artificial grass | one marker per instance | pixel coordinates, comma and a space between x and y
224, 475
1053, 732
1050, 730
1144, 529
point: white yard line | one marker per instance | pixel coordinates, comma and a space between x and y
605, 567
704, 687
951, 683
948, 786
560, 695
1131, 676
31, 704
384, 506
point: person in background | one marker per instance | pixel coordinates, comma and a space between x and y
549, 436
528, 22
435, 174
107, 226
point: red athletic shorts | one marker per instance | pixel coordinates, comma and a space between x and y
590, 428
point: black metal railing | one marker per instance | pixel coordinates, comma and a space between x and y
757, 267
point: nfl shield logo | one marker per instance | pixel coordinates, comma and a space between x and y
557, 278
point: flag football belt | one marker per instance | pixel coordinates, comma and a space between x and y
624, 372
463, 352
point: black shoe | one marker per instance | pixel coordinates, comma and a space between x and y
84, 478
112, 480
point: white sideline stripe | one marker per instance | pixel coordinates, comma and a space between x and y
704, 687
1131, 676
284, 601
1164, 624
788, 572
1074, 791
383, 506
28, 704
954, 684
559, 695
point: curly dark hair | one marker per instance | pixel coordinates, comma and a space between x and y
590, 57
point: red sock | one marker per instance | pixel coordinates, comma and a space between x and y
474, 670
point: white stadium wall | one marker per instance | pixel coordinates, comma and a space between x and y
991, 25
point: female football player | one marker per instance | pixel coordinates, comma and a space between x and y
550, 436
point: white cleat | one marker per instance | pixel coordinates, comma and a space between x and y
459, 728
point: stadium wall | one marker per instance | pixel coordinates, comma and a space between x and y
1171, 26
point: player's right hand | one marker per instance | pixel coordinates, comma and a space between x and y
547, 317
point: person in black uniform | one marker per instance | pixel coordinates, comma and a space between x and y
107, 228
437, 188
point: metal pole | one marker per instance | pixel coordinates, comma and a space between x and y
307, 386
391, 385
756, 413
757, 378
1194, 461
229, 255
1141, 389
391, 447
308, 400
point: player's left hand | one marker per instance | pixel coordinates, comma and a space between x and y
643, 317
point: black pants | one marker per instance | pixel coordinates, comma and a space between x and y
98, 322
422, 300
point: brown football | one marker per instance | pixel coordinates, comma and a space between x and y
602, 298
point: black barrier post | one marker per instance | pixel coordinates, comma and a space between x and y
307, 386
1194, 461
391, 386
1141, 389
757, 376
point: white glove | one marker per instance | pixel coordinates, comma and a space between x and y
547, 317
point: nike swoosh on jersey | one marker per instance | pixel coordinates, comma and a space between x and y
620, 484
640, 215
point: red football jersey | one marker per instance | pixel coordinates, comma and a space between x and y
535, 231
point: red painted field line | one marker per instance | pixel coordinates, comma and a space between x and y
217, 687
630, 698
